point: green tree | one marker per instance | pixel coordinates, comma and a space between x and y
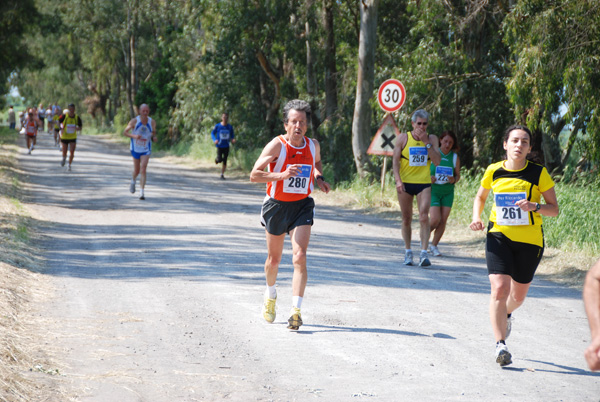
556, 62
16, 18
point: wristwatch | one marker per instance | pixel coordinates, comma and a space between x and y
428, 145
537, 207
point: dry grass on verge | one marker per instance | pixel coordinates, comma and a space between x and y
25, 368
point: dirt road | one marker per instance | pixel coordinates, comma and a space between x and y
159, 300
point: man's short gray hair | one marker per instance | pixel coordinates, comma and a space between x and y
298, 105
421, 113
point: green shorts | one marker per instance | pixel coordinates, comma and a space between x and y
442, 197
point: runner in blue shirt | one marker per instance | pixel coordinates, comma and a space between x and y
221, 135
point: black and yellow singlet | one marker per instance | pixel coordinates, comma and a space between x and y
414, 162
509, 186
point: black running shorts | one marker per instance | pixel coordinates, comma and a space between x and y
279, 217
222, 155
504, 256
415, 188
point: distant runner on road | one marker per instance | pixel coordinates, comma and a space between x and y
294, 165
222, 135
71, 124
591, 298
142, 131
31, 125
515, 239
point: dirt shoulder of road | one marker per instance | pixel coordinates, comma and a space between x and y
26, 370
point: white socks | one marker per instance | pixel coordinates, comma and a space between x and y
271, 292
297, 301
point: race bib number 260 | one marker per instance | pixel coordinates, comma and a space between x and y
507, 213
298, 184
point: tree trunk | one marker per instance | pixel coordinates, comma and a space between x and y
311, 85
274, 76
361, 123
331, 100
572, 138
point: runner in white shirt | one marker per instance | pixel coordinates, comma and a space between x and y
142, 131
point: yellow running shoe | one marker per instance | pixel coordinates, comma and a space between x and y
269, 309
295, 319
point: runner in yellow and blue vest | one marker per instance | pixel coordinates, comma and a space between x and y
70, 124
413, 153
515, 239
443, 178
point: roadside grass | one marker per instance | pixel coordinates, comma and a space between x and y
22, 343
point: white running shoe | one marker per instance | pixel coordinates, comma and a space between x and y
69, 167
408, 258
132, 187
503, 356
434, 251
423, 259
62, 163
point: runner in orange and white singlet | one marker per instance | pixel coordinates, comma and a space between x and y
294, 166
31, 125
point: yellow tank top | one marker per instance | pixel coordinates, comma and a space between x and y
414, 162
69, 128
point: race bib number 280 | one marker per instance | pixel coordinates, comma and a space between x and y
298, 184
507, 213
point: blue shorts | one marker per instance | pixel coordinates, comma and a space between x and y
137, 155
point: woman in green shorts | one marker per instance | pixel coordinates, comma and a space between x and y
443, 178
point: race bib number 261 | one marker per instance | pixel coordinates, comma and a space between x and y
298, 184
507, 213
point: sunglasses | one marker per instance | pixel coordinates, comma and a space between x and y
421, 124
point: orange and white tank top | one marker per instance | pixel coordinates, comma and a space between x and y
30, 127
298, 187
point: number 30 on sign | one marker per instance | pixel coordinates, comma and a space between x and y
391, 95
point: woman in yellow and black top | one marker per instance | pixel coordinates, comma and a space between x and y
515, 240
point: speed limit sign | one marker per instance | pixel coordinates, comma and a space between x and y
391, 95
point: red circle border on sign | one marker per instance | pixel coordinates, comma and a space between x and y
382, 87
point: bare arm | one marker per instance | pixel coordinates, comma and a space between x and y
130, 126
323, 185
591, 300
270, 154
478, 204
434, 151
154, 137
456, 177
400, 144
550, 208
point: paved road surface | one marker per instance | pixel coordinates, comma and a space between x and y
159, 300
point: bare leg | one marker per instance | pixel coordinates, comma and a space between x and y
423, 202
406, 205
274, 252
500, 289
300, 238
144, 159
441, 227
